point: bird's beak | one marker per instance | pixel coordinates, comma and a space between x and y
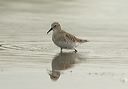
49, 30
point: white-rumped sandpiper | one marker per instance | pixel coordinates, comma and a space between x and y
63, 39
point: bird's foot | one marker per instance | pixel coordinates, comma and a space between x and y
75, 50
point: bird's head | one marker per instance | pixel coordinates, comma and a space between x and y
55, 26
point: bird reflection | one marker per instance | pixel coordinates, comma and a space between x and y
62, 61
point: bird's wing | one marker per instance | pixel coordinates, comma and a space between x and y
70, 38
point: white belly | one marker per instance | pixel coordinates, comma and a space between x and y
64, 45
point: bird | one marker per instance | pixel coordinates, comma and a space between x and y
63, 39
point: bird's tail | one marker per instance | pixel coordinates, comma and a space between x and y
82, 41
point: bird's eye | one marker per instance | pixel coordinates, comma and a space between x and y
55, 26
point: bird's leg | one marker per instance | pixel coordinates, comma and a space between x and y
61, 50
75, 50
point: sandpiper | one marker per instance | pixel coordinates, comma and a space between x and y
63, 39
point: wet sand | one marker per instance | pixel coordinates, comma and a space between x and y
29, 59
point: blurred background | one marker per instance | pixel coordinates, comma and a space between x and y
22, 18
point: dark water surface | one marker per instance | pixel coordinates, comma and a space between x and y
29, 59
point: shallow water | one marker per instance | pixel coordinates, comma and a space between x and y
29, 59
